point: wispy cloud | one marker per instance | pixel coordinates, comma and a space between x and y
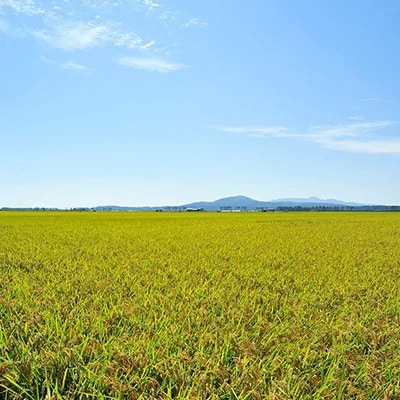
65, 29
388, 146
74, 36
150, 4
148, 44
277, 131
79, 25
67, 65
28, 7
150, 64
360, 129
195, 22
356, 137
167, 15
78, 35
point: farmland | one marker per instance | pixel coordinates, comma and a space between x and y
199, 305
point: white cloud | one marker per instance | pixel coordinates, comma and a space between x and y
73, 26
67, 65
369, 146
22, 6
150, 64
74, 36
195, 22
148, 44
77, 35
277, 131
349, 130
72, 66
356, 137
150, 4
167, 16
78, 25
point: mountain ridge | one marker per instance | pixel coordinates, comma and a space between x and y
244, 202
314, 199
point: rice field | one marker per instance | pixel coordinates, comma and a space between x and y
199, 305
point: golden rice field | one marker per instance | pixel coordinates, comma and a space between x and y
199, 305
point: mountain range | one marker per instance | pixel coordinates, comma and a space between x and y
244, 202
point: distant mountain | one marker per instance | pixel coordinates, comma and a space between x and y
240, 203
251, 204
317, 200
236, 202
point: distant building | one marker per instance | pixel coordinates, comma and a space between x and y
231, 209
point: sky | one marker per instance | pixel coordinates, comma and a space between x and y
164, 102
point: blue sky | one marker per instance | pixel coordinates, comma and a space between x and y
136, 102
